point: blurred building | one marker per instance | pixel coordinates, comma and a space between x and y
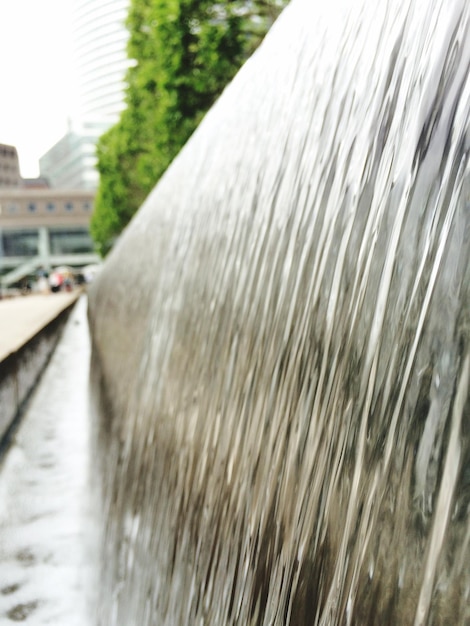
100, 58
44, 228
35, 183
9, 166
10, 176
99, 66
70, 163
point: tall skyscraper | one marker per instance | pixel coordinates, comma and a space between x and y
100, 58
99, 66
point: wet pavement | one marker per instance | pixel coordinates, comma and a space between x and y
47, 528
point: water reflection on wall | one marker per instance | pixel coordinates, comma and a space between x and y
281, 340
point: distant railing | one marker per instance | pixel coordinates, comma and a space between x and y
21, 271
31, 265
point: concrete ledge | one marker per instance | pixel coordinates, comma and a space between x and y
21, 367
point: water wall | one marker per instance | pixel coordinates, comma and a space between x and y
281, 340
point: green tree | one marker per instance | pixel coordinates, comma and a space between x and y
183, 54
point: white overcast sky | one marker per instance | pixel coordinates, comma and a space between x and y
35, 82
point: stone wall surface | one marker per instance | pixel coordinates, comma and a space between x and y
30, 330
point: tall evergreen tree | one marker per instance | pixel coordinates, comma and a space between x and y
184, 52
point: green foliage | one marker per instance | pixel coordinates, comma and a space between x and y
184, 52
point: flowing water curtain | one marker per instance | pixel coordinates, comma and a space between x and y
285, 388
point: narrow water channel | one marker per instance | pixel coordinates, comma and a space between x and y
47, 530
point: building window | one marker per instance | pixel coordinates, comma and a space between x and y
50, 206
68, 206
70, 241
20, 243
86, 206
32, 207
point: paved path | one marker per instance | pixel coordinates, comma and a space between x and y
22, 317
48, 538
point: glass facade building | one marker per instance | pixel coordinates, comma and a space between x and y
100, 58
99, 65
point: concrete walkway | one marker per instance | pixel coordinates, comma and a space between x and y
23, 317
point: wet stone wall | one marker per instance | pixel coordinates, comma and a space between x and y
281, 347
